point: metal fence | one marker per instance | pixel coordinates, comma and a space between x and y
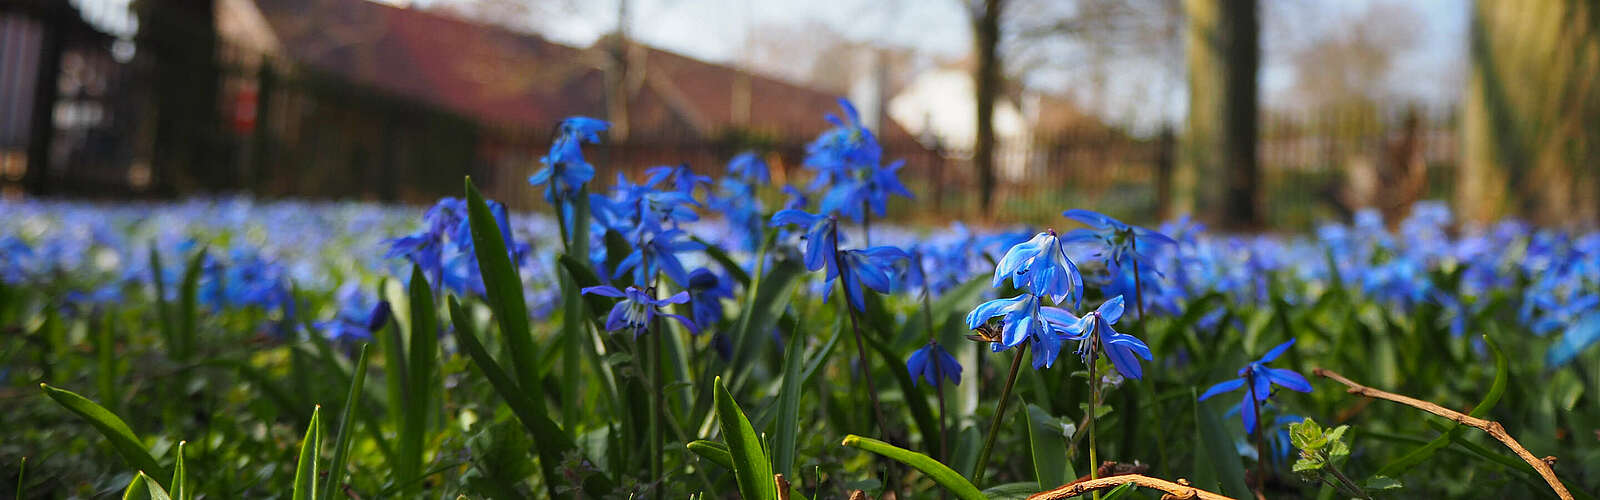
280, 130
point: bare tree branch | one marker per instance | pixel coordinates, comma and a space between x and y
1542, 466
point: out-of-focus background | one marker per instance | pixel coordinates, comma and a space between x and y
1249, 115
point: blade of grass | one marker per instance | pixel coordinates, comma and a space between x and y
347, 423
143, 487
188, 299
551, 443
751, 469
939, 473
788, 418
180, 477
419, 386
305, 470
122, 438
503, 288
716, 452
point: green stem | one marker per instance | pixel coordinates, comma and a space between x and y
1261, 451
1094, 401
999, 415
658, 388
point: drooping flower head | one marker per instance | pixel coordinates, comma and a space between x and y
1040, 266
874, 267
1023, 319
822, 236
848, 145
1095, 334
706, 291
1121, 241
638, 308
565, 171
680, 178
1259, 379
748, 167
359, 316
658, 252
931, 362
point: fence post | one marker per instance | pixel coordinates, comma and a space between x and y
42, 126
1165, 166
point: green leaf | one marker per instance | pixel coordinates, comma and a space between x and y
771, 295
751, 469
503, 288
1307, 465
1049, 447
305, 471
788, 418
347, 427
584, 277
1219, 463
1380, 483
22, 477
939, 473
1119, 492
420, 381
144, 488
713, 451
122, 439
188, 316
1012, 491
169, 330
549, 440
180, 477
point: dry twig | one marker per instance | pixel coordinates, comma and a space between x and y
1542, 466
1178, 490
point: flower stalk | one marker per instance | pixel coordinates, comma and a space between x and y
999, 415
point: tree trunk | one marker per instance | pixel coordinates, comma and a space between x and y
986, 27
1529, 144
46, 89
1224, 59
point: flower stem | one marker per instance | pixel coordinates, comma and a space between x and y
866, 222
658, 389
1352, 488
1261, 451
999, 415
1094, 402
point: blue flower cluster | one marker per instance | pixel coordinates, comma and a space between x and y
1041, 269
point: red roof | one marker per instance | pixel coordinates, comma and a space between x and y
501, 77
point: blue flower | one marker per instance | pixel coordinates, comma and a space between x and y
1041, 266
1094, 333
931, 362
797, 200
850, 195
822, 236
658, 252
748, 167
683, 179
1121, 239
1260, 379
706, 292
848, 145
358, 318
565, 171
637, 308
873, 267
1023, 319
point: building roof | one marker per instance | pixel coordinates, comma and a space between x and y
506, 78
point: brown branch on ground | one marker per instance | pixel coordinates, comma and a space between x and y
783, 486
1542, 466
1174, 491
